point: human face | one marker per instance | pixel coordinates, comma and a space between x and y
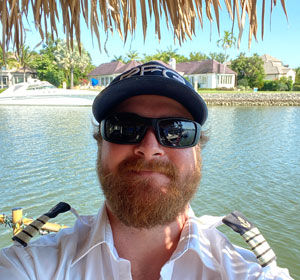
147, 172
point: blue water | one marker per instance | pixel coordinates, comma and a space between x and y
251, 164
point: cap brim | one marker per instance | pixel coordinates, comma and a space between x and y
114, 94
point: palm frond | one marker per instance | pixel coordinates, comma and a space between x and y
121, 15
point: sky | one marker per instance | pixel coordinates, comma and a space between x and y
281, 39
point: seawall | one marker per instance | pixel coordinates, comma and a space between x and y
252, 98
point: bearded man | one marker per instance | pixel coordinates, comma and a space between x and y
149, 166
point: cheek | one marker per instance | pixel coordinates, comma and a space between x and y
187, 160
113, 154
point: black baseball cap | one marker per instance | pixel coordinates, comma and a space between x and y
151, 78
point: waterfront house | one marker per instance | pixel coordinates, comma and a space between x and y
275, 69
106, 72
207, 74
9, 77
202, 74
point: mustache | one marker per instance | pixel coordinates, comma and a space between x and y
137, 164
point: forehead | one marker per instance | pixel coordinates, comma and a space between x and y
153, 106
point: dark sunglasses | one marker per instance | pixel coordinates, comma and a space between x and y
129, 128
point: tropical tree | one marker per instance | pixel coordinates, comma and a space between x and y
9, 61
150, 57
197, 56
24, 58
44, 66
165, 56
220, 57
118, 58
226, 42
69, 59
1, 66
132, 55
249, 70
171, 52
297, 78
47, 70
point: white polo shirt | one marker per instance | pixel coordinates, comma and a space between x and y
87, 251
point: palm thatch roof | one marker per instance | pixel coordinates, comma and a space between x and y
121, 16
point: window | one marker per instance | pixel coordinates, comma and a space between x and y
224, 79
191, 78
203, 79
4, 83
18, 79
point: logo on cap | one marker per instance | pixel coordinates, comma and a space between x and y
153, 70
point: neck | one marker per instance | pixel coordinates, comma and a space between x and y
143, 247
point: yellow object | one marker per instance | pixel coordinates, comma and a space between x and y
18, 221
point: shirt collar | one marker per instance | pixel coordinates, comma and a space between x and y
194, 236
93, 231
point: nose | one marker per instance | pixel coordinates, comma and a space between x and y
149, 148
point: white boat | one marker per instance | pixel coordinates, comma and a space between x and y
42, 93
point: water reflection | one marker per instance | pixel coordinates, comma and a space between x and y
251, 164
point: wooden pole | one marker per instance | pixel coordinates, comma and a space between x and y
48, 226
17, 217
18, 220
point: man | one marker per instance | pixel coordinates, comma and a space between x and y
149, 166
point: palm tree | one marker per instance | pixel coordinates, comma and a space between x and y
132, 55
118, 58
68, 59
228, 41
197, 56
1, 66
220, 57
171, 52
24, 59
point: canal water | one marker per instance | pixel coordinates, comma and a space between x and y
251, 164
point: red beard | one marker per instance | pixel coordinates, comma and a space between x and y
136, 202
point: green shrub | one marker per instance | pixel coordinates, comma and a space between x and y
270, 85
296, 87
2, 89
225, 89
282, 87
243, 83
287, 81
283, 84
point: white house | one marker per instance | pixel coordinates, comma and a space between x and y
275, 69
207, 74
9, 77
202, 74
106, 72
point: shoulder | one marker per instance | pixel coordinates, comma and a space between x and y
47, 251
228, 258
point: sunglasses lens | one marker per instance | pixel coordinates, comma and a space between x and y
128, 128
177, 133
124, 129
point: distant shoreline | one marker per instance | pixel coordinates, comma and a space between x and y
252, 98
